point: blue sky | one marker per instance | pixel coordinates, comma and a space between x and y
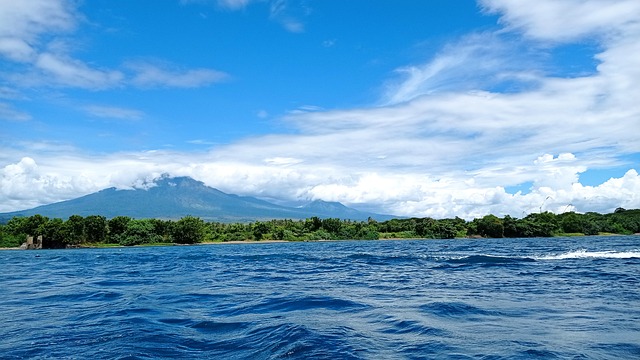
416, 108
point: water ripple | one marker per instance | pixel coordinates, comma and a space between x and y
423, 299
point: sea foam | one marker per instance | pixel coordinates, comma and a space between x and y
583, 253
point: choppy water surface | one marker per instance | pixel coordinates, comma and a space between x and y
575, 298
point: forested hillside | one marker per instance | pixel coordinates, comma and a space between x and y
122, 230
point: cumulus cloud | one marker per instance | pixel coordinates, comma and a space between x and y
24, 185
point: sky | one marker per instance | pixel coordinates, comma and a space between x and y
433, 108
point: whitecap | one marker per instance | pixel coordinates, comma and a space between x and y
584, 254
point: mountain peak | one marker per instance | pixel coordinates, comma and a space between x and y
324, 205
169, 197
172, 181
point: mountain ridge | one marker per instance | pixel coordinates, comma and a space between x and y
176, 197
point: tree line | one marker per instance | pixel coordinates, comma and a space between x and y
123, 230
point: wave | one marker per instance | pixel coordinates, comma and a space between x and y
489, 260
585, 254
455, 309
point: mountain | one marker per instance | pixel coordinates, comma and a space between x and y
173, 198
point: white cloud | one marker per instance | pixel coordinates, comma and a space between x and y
8, 112
234, 4
567, 20
114, 112
200, 142
30, 36
226, 4
65, 71
477, 61
23, 24
29, 19
262, 114
16, 49
10, 93
147, 75
280, 11
287, 15
329, 43
24, 184
282, 161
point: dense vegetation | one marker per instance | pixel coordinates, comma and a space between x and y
122, 230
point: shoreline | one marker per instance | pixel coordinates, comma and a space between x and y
250, 242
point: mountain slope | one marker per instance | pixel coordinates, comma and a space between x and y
173, 198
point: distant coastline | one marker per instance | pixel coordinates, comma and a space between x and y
38, 231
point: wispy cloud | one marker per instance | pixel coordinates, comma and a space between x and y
234, 4
16, 49
329, 43
64, 71
150, 75
225, 4
8, 112
201, 142
287, 13
113, 112
26, 21
30, 37
563, 21
480, 61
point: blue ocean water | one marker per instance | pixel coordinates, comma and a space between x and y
556, 298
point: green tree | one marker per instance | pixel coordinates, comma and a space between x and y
571, 223
7, 239
545, 224
139, 231
74, 230
368, 232
117, 226
17, 226
23, 226
510, 226
188, 230
95, 228
54, 233
164, 228
426, 227
445, 229
312, 224
332, 225
491, 226
259, 230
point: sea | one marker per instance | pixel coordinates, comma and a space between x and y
536, 298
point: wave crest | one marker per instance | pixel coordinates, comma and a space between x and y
584, 254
